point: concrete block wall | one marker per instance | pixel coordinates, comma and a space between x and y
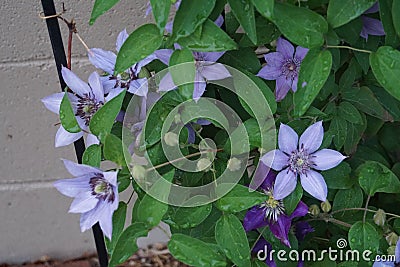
33, 216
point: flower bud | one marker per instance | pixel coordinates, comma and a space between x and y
171, 139
314, 210
380, 217
326, 206
391, 250
138, 172
204, 164
392, 238
177, 118
234, 164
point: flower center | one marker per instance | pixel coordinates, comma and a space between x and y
124, 79
290, 68
300, 161
87, 107
273, 208
101, 188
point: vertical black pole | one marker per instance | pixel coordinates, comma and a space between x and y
59, 56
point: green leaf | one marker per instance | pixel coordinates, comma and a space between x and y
244, 13
151, 210
266, 33
348, 198
348, 112
244, 58
338, 128
314, 72
364, 99
291, 201
264, 7
160, 9
300, 25
232, 238
239, 198
354, 134
92, 156
385, 64
103, 120
341, 12
118, 222
183, 70
188, 217
190, 15
115, 150
363, 236
140, 43
195, 252
385, 12
339, 177
392, 105
396, 16
209, 39
67, 116
375, 177
124, 179
126, 244
396, 225
100, 7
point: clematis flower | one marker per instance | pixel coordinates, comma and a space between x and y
206, 69
371, 26
95, 195
272, 213
85, 100
299, 157
302, 228
192, 132
394, 263
283, 66
262, 250
129, 80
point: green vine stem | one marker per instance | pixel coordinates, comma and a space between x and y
349, 47
364, 209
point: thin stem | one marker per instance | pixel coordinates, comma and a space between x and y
349, 47
83, 43
69, 53
366, 208
369, 210
258, 238
179, 159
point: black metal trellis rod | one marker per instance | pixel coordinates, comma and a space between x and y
61, 60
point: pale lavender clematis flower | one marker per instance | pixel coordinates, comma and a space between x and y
272, 213
299, 157
85, 101
394, 263
371, 26
283, 66
129, 80
206, 70
95, 195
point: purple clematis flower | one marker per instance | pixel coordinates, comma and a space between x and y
129, 80
206, 69
394, 263
283, 66
192, 132
298, 157
371, 26
95, 193
85, 100
302, 228
272, 213
262, 249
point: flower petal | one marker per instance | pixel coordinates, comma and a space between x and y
275, 159
302, 229
64, 138
91, 139
199, 87
191, 134
285, 184
111, 177
102, 59
219, 21
73, 186
208, 56
300, 210
273, 69
53, 102
105, 220
262, 247
144, 62
373, 9
97, 86
285, 47
254, 218
372, 26
122, 36
301, 53
294, 84
259, 176
166, 83
215, 71
314, 183
169, 26
312, 137
79, 169
88, 219
139, 87
164, 55
108, 84
113, 93
283, 86
281, 228
83, 202
287, 139
74, 83
326, 159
